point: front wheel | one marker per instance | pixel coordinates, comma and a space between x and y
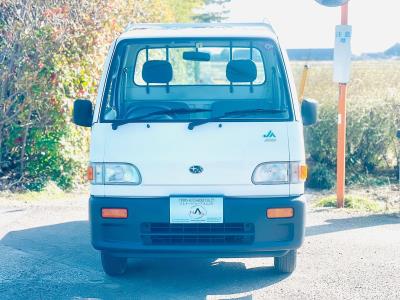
286, 263
113, 266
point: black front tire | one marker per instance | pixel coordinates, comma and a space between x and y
287, 263
112, 265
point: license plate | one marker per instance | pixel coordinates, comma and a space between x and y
196, 210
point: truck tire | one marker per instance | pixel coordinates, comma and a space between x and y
286, 263
112, 265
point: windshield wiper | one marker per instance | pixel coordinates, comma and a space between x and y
120, 122
235, 113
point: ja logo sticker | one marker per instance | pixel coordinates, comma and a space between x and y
270, 136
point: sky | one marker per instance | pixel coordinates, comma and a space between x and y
307, 24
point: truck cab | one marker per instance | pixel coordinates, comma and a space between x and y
197, 146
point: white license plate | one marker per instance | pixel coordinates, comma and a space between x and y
196, 210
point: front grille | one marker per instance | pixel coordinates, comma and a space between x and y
197, 234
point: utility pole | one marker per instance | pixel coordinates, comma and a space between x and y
341, 135
342, 63
398, 158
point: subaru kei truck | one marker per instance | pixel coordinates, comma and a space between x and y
197, 146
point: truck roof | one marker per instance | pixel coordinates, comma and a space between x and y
198, 30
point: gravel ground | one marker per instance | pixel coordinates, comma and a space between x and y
45, 254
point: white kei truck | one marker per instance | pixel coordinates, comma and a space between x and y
197, 146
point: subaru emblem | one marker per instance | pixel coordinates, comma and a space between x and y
196, 169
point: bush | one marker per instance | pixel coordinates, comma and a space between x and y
373, 114
321, 177
368, 148
51, 53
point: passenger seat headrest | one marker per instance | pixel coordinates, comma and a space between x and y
241, 70
157, 71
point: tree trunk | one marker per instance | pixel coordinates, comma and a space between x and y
24, 140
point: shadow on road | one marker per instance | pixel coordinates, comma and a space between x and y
57, 261
67, 246
335, 225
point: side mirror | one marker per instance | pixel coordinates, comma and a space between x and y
83, 113
309, 112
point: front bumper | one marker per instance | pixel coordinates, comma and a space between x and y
246, 231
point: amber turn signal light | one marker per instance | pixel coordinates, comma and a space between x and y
303, 172
280, 213
89, 173
114, 213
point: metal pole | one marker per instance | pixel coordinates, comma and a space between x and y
341, 142
398, 156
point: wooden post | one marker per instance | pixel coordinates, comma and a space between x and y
341, 142
303, 82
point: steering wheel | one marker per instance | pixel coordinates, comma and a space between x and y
147, 109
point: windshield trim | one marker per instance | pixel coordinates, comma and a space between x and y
224, 120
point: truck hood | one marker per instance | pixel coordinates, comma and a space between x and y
165, 152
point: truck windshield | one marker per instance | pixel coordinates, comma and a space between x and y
192, 80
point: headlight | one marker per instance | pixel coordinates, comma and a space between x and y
279, 173
115, 173
271, 173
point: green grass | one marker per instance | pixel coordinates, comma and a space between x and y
352, 202
50, 192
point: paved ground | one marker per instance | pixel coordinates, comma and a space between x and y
45, 254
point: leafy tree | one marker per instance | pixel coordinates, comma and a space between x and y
51, 52
212, 11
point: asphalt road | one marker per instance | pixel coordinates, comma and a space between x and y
45, 254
